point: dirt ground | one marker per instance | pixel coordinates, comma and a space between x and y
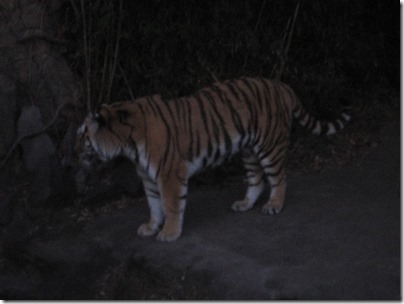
338, 238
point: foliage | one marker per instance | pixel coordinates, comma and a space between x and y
175, 47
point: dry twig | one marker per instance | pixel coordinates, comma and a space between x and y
286, 42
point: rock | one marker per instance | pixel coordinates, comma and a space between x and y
125, 178
6, 208
7, 112
40, 159
66, 148
16, 236
120, 178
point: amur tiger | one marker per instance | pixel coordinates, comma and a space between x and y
170, 140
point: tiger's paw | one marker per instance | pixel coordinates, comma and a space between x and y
166, 235
243, 205
271, 208
147, 229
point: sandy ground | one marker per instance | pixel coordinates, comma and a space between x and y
338, 238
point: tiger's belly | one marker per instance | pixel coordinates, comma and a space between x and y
219, 156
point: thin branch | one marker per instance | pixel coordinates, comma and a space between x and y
126, 81
292, 29
204, 64
286, 42
212, 74
118, 34
104, 72
38, 34
86, 57
76, 10
259, 16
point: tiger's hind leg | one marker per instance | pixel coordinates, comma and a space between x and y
273, 166
255, 179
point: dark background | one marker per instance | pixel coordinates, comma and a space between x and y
176, 47
61, 58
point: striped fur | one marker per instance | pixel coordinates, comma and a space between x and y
171, 140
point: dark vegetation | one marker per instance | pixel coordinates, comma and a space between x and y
176, 48
331, 52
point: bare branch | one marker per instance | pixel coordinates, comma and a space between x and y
38, 34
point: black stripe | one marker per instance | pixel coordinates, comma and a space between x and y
311, 123
153, 191
276, 142
269, 174
267, 92
252, 173
152, 105
217, 155
205, 122
174, 126
214, 117
204, 162
197, 148
324, 128
244, 99
227, 139
235, 116
166, 153
191, 130
256, 183
258, 95
251, 105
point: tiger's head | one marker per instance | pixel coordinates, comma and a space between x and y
108, 133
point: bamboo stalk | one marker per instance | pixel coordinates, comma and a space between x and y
286, 42
115, 58
86, 57
259, 15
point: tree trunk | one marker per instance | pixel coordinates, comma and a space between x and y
32, 68
35, 78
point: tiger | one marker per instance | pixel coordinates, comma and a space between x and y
171, 140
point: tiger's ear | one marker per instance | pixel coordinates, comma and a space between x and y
122, 115
101, 118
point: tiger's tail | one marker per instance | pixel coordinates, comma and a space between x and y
317, 126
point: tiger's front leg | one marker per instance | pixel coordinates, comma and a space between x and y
156, 209
173, 193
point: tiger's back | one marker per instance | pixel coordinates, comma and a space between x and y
218, 121
171, 140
